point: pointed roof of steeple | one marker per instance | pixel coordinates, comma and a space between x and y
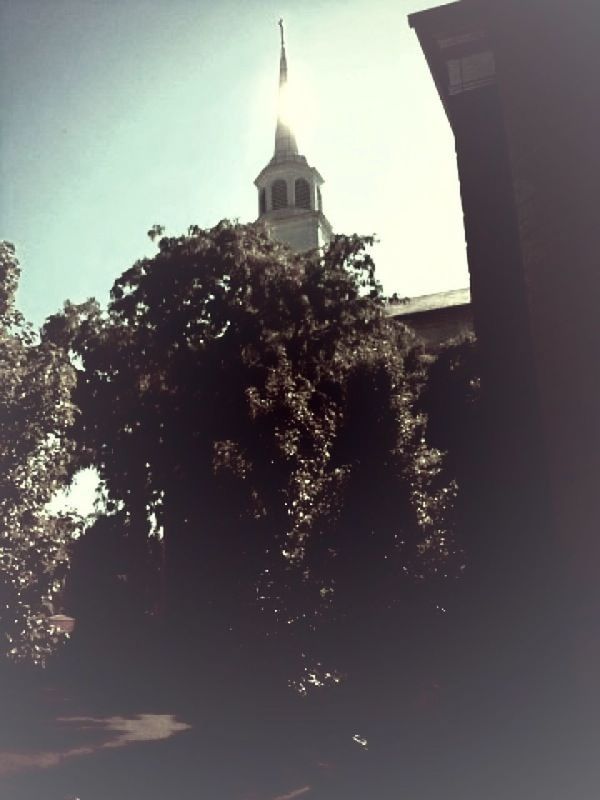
285, 141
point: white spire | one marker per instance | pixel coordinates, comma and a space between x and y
285, 141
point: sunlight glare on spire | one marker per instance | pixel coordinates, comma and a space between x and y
285, 105
297, 109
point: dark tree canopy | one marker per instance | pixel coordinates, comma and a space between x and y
255, 406
36, 456
456, 424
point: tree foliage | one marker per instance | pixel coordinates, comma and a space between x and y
255, 406
451, 400
36, 416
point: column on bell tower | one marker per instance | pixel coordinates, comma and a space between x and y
289, 189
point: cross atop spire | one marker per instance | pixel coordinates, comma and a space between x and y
282, 58
280, 23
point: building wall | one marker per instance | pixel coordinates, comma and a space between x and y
549, 63
301, 230
527, 137
436, 327
548, 57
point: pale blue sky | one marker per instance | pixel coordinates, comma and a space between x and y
118, 114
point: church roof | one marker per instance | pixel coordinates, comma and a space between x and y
428, 302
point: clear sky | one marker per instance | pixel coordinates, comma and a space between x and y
119, 114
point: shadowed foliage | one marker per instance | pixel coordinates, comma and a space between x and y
451, 399
253, 407
36, 457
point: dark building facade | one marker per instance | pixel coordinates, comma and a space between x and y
519, 83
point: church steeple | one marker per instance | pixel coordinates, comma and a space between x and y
289, 190
285, 141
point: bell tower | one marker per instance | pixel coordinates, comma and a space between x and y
289, 190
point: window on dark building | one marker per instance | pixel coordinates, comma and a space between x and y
302, 193
279, 194
319, 200
262, 201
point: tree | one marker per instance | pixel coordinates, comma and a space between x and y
240, 398
36, 455
451, 400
